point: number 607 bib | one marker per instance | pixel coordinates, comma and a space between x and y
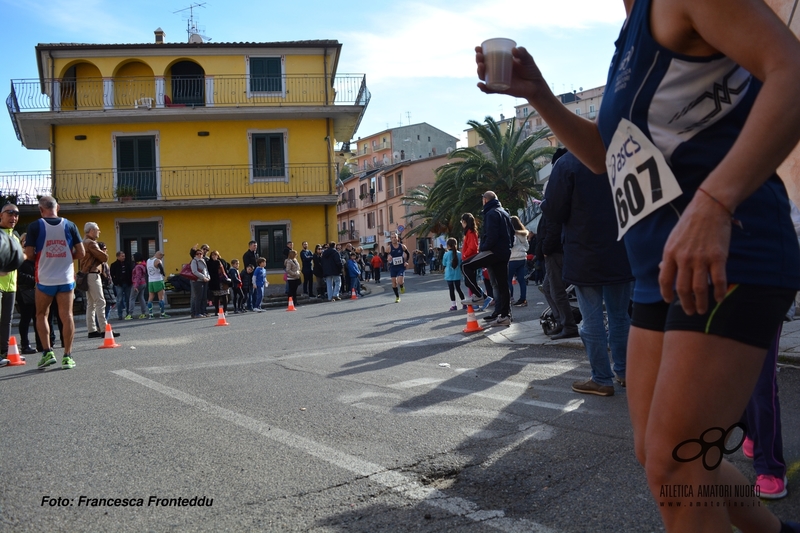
641, 181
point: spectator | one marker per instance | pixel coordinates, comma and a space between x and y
306, 256
155, 284
218, 282
9, 215
138, 287
92, 265
332, 271
292, 268
121, 275
597, 264
493, 253
198, 300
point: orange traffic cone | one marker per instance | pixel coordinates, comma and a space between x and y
353, 295
291, 305
221, 321
13, 353
108, 340
472, 322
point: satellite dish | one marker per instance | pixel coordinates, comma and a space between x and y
195, 38
449, 149
396, 155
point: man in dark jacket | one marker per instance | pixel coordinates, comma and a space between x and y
121, 275
555, 292
597, 264
493, 253
332, 270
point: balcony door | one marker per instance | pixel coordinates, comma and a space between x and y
271, 242
188, 84
136, 167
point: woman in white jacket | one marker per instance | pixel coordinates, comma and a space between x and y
516, 263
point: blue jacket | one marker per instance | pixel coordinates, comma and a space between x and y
582, 202
498, 233
352, 269
450, 273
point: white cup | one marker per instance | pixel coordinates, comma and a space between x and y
498, 60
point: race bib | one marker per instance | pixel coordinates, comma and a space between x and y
641, 181
397, 260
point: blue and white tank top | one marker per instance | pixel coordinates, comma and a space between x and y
692, 109
396, 255
53, 248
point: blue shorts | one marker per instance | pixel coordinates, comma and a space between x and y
52, 290
397, 271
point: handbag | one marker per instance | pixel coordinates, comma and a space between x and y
187, 273
82, 281
224, 280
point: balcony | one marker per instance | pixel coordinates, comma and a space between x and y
35, 104
345, 205
180, 186
348, 235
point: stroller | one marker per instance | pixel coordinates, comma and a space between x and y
547, 319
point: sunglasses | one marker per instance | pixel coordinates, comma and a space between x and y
12, 213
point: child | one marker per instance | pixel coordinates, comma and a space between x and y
260, 283
139, 287
452, 271
354, 273
236, 287
247, 285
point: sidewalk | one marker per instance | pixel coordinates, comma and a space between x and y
531, 333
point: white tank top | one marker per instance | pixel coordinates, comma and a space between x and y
153, 273
54, 263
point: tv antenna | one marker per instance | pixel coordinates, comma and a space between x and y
192, 28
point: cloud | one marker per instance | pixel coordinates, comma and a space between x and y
426, 40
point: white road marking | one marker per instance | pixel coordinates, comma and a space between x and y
403, 484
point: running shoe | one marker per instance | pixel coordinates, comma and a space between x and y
521, 303
165, 315
129, 317
772, 488
142, 316
150, 316
67, 362
475, 300
397, 300
48, 358
487, 303
501, 321
403, 289
4, 362
453, 308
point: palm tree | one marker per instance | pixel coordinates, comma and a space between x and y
509, 168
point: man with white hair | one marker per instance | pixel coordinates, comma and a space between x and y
92, 266
53, 243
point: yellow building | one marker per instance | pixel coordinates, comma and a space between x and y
166, 145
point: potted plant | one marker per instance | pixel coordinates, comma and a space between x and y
342, 232
94, 199
125, 193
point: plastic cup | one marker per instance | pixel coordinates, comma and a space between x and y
498, 60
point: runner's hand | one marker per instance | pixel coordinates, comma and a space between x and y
696, 250
526, 78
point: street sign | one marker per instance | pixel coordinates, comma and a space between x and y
400, 229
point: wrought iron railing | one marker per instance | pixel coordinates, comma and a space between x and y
86, 94
167, 183
345, 205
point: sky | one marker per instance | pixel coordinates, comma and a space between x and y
418, 57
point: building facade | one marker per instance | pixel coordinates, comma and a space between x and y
173, 144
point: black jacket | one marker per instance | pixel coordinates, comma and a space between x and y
331, 262
582, 202
249, 258
121, 272
498, 233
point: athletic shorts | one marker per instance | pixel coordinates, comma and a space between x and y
52, 290
749, 314
155, 286
397, 271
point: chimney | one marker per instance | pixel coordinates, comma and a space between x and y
159, 36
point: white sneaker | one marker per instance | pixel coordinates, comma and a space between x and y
475, 300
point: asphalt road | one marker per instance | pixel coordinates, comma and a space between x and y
358, 415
